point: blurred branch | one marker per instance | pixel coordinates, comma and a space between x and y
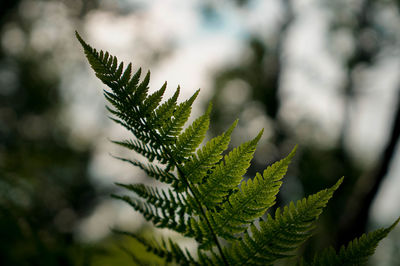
355, 217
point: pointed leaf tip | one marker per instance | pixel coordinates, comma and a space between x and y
292, 153
209, 108
390, 228
232, 127
258, 137
194, 96
77, 35
83, 43
260, 133
337, 185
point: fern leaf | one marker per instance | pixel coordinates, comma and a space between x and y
146, 150
152, 101
253, 199
164, 111
276, 237
173, 127
133, 82
204, 259
138, 130
141, 91
356, 252
158, 216
169, 201
173, 207
118, 72
190, 139
205, 200
197, 167
127, 122
251, 202
199, 230
104, 65
126, 76
170, 251
154, 171
228, 173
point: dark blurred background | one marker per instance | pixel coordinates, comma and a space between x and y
320, 74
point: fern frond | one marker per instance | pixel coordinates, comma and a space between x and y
152, 102
200, 231
141, 92
154, 171
206, 199
277, 236
105, 66
356, 252
171, 202
144, 149
173, 127
128, 95
164, 111
190, 139
253, 200
197, 167
228, 173
133, 82
203, 259
160, 217
127, 75
170, 251
175, 211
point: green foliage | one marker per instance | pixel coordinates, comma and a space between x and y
207, 199
356, 252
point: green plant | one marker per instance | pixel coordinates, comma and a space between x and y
207, 199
